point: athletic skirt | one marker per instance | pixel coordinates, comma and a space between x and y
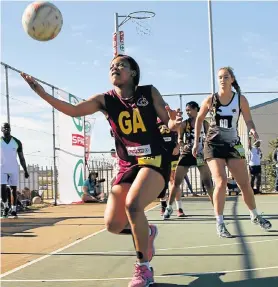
174, 162
223, 150
128, 171
188, 160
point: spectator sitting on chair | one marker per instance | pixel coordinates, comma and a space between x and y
26, 196
91, 189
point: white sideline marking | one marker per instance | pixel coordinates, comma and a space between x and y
57, 251
129, 278
164, 249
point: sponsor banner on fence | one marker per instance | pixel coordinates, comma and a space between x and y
74, 140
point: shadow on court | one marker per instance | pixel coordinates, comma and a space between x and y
10, 227
214, 280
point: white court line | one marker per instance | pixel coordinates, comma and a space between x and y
58, 250
129, 278
166, 249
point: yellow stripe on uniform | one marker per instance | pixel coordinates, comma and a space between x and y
150, 160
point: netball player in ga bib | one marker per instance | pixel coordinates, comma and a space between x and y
186, 160
132, 111
223, 148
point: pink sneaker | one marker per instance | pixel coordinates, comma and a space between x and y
180, 213
151, 250
142, 277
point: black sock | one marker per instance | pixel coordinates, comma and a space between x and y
163, 203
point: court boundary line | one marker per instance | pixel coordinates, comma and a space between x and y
59, 250
168, 249
196, 274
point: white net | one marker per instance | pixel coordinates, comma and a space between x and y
142, 21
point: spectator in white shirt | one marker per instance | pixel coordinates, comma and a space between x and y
115, 164
275, 159
11, 147
255, 156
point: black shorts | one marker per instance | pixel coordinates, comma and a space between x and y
188, 160
255, 169
160, 163
223, 150
174, 162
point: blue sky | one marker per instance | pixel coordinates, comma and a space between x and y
174, 57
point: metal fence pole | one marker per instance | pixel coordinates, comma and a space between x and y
52, 183
54, 154
7, 93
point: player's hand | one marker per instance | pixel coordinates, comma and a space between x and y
175, 118
254, 134
176, 150
35, 86
26, 174
194, 150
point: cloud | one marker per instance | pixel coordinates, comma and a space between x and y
35, 135
77, 34
132, 50
260, 55
256, 83
71, 62
14, 80
168, 74
150, 61
79, 27
96, 63
258, 48
28, 106
251, 37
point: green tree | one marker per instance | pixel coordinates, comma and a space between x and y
270, 168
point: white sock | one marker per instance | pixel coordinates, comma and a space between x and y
13, 208
253, 213
6, 204
178, 204
144, 264
219, 219
169, 205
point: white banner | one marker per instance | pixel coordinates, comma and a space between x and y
71, 156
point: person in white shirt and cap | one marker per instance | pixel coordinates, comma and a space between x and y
255, 156
275, 159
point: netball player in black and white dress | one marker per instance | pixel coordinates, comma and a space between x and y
187, 160
223, 148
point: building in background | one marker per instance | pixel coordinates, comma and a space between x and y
265, 117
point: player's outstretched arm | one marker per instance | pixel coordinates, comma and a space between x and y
90, 106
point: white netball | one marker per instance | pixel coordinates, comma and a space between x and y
42, 21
